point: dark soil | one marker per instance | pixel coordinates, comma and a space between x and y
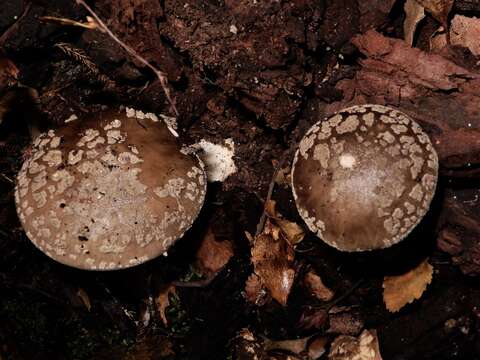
261, 73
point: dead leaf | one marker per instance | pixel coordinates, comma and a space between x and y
317, 347
213, 255
273, 254
403, 289
255, 292
345, 322
439, 9
82, 294
292, 232
248, 346
365, 347
317, 287
414, 14
272, 262
163, 301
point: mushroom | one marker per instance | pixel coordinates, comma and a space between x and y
364, 178
108, 192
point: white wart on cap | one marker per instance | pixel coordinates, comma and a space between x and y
108, 192
364, 178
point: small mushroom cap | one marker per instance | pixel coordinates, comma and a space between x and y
108, 192
364, 178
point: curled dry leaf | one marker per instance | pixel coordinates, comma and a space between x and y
292, 232
439, 9
365, 347
213, 255
315, 284
163, 301
272, 262
403, 289
414, 13
273, 254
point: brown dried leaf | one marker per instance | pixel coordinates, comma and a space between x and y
270, 208
364, 347
403, 289
317, 347
414, 14
254, 291
272, 262
315, 284
213, 255
163, 301
292, 231
439, 9
82, 294
345, 322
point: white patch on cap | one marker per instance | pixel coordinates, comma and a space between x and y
347, 161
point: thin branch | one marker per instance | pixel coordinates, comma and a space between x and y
162, 77
263, 218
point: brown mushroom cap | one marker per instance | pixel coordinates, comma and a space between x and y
108, 192
364, 178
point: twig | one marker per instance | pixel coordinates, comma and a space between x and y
7, 178
80, 56
162, 77
64, 21
263, 218
12, 27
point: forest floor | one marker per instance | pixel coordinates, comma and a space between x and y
259, 73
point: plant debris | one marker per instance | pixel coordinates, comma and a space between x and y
401, 290
365, 347
315, 284
246, 79
212, 254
